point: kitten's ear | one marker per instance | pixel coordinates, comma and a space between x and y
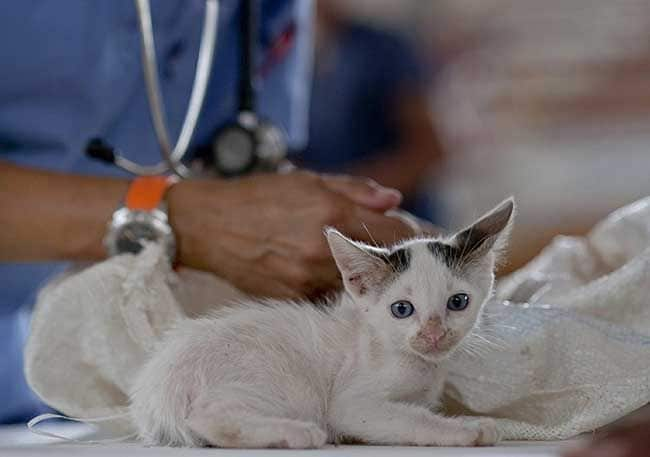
362, 267
489, 233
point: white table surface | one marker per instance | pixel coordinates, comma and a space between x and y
17, 441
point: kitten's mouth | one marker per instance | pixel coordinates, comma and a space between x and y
433, 347
440, 348
445, 344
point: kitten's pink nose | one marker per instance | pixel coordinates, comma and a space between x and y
433, 330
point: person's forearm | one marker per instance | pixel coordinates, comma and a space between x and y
54, 216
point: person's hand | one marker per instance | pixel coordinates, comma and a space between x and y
625, 441
264, 233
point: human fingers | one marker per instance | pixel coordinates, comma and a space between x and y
364, 192
377, 229
419, 225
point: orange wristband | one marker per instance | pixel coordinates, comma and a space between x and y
146, 192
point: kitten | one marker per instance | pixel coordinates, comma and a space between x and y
367, 368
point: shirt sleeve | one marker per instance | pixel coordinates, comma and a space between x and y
286, 66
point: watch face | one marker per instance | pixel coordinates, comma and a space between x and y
131, 236
129, 231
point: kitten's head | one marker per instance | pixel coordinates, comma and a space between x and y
424, 295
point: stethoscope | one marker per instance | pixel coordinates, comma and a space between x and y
246, 145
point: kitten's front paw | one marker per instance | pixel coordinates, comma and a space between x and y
300, 436
488, 434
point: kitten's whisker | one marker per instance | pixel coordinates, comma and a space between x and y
490, 343
380, 249
470, 351
372, 239
481, 345
494, 329
477, 345
486, 334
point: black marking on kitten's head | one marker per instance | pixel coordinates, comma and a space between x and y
457, 256
399, 259
448, 254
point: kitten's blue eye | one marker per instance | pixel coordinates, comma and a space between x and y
458, 302
402, 309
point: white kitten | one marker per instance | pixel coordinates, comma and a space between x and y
369, 367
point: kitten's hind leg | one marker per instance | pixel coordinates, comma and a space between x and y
231, 419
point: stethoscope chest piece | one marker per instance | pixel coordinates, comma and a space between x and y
247, 146
241, 147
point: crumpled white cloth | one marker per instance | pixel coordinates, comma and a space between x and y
92, 329
567, 350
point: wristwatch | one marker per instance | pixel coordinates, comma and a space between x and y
143, 218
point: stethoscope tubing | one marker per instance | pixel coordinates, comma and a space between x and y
172, 156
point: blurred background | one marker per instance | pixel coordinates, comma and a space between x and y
461, 103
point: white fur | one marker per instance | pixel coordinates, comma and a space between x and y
298, 375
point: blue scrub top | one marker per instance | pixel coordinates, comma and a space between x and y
70, 70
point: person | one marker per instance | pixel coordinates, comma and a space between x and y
369, 111
71, 71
